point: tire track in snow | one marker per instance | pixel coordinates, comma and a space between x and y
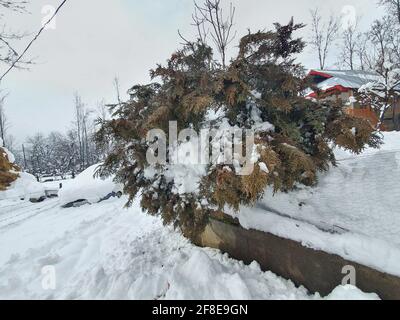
24, 215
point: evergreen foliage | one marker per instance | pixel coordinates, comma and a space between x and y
263, 78
8, 170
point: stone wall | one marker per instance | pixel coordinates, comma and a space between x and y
318, 271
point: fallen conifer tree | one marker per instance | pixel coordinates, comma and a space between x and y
259, 91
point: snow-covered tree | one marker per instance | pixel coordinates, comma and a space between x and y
59, 154
8, 37
383, 93
393, 9
37, 153
323, 36
210, 22
260, 91
84, 126
351, 47
381, 55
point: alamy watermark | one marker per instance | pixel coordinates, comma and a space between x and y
49, 11
49, 279
224, 146
350, 277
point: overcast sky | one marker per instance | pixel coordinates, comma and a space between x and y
96, 40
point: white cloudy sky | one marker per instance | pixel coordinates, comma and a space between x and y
96, 40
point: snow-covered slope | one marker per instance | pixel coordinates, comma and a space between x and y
354, 211
103, 251
87, 187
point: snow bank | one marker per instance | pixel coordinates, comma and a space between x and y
87, 187
9, 155
376, 253
353, 212
204, 277
349, 292
25, 187
104, 251
360, 195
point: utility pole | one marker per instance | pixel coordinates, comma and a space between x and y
23, 151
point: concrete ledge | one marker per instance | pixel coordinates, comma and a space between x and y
318, 271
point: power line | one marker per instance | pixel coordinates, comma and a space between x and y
33, 40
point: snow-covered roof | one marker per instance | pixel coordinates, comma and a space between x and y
346, 78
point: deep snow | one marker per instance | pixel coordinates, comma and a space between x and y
86, 187
103, 251
25, 187
354, 211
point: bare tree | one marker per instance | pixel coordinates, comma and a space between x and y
393, 8
381, 36
395, 44
362, 51
351, 46
117, 89
8, 38
393, 24
382, 94
323, 35
83, 128
209, 20
18, 6
381, 56
78, 122
38, 155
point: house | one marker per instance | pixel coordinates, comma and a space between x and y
344, 85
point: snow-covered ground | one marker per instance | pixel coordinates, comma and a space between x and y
354, 211
103, 251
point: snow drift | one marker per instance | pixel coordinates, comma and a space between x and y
349, 292
104, 251
353, 211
